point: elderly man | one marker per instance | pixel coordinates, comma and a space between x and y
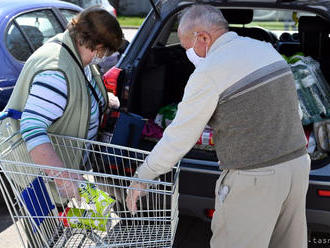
245, 91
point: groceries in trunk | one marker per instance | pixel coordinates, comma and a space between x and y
314, 102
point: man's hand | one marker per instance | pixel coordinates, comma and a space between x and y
134, 192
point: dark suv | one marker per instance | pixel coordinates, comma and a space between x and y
154, 70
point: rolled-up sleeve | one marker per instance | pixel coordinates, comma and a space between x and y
45, 104
194, 111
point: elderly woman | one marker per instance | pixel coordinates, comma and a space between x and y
60, 91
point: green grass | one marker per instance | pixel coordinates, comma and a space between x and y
134, 21
271, 25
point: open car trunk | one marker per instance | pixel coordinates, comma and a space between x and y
165, 70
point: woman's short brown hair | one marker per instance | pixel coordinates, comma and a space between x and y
94, 26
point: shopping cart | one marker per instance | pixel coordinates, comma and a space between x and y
36, 207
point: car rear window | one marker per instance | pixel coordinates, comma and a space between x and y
68, 14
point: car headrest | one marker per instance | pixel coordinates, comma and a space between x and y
313, 24
238, 16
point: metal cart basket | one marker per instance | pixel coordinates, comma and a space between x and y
40, 212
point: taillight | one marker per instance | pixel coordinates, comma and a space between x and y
324, 193
209, 213
115, 12
110, 79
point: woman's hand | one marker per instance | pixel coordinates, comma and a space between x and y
113, 101
67, 184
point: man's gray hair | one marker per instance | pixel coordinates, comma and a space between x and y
205, 16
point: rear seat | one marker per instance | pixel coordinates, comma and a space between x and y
315, 41
314, 36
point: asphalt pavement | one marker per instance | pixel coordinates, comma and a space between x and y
129, 33
8, 234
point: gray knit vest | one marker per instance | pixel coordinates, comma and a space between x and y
256, 123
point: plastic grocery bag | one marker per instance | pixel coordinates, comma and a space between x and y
37, 200
312, 89
166, 115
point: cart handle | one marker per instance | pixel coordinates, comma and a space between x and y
12, 113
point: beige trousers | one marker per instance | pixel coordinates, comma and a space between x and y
263, 207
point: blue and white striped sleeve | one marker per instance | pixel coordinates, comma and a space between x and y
45, 104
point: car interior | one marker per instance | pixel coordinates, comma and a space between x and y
165, 69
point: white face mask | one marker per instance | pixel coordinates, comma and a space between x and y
192, 55
96, 60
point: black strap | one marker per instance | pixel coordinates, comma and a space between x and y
83, 72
